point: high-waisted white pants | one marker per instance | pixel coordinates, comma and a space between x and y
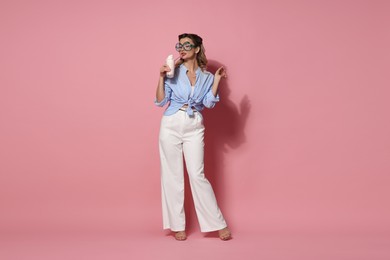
183, 134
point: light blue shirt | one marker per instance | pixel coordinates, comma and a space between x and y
178, 91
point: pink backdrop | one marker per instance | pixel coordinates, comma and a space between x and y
299, 142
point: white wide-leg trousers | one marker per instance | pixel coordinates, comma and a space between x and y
183, 134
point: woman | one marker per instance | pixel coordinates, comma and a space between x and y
182, 132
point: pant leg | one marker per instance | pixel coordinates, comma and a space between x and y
172, 173
209, 215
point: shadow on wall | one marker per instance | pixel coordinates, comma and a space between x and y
225, 129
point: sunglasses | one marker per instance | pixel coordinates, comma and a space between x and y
186, 46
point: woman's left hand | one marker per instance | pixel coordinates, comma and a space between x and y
220, 73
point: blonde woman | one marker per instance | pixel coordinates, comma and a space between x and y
182, 133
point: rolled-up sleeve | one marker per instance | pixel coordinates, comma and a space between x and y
168, 93
210, 100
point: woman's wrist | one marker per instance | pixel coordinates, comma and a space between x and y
217, 80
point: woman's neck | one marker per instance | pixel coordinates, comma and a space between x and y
191, 65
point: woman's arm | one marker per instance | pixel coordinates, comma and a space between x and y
220, 73
160, 92
212, 95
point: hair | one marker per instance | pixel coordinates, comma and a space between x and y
198, 42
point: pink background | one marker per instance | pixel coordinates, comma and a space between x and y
298, 147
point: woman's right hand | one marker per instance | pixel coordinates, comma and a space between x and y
164, 69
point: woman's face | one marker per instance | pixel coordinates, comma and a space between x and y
188, 54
